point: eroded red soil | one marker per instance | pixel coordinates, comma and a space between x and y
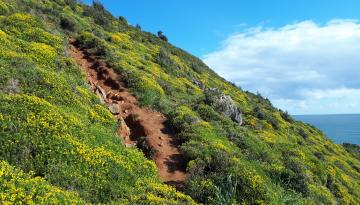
135, 123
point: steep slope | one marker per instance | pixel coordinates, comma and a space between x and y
237, 148
149, 130
55, 129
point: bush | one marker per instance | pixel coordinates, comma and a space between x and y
164, 60
353, 149
123, 20
226, 192
3, 8
143, 144
146, 88
89, 41
71, 3
286, 116
67, 23
99, 14
162, 36
17, 187
199, 68
207, 113
294, 177
183, 117
303, 133
259, 113
262, 115
274, 123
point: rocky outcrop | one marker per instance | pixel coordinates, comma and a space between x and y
112, 100
123, 129
100, 93
224, 104
199, 84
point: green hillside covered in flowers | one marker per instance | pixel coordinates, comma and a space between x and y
58, 143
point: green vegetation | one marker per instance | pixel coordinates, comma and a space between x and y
58, 143
16, 186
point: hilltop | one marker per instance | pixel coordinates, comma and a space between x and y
94, 110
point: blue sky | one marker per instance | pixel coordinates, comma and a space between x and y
302, 54
199, 26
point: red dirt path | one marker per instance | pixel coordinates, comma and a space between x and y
143, 122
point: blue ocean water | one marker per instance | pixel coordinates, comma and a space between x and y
339, 128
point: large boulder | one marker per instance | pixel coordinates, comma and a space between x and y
224, 104
114, 108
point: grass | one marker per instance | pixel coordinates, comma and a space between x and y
52, 128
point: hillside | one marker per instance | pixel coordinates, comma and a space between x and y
84, 97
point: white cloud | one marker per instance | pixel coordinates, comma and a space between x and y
339, 93
302, 67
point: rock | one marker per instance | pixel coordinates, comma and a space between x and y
199, 84
114, 96
130, 145
101, 91
224, 104
124, 130
98, 93
213, 90
114, 108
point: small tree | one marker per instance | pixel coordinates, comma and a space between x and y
98, 12
138, 27
67, 23
123, 20
162, 36
71, 3
98, 6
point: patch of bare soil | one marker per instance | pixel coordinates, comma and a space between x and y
141, 127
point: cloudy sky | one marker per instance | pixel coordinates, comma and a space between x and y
301, 54
303, 67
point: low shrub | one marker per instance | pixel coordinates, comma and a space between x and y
183, 117
303, 133
89, 41
146, 88
67, 23
123, 20
259, 113
99, 14
294, 176
286, 116
354, 149
164, 60
71, 3
17, 187
143, 144
4, 9
208, 113
162, 36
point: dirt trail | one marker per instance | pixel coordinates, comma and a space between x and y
134, 122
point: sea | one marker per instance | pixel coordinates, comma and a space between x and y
339, 128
